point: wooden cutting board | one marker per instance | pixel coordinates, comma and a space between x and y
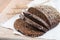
3, 4
10, 8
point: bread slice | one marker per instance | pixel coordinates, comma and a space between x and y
26, 29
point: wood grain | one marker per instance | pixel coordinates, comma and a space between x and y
3, 4
14, 7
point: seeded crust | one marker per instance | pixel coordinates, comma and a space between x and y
48, 14
37, 21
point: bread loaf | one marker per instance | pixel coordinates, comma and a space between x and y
37, 21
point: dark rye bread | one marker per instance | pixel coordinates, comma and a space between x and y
27, 29
37, 21
47, 13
